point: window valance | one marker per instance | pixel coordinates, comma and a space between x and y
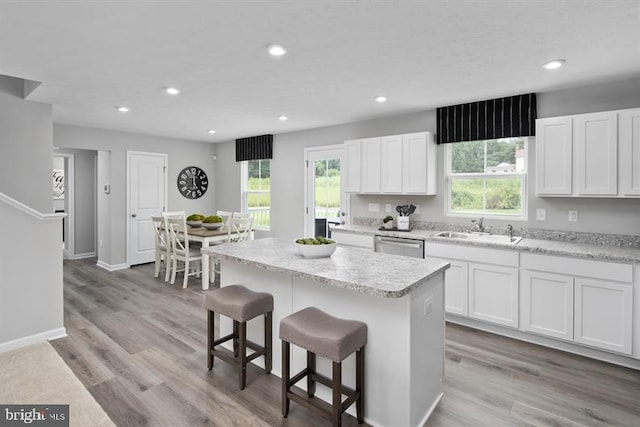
508, 117
254, 148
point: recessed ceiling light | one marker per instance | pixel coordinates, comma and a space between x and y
277, 50
123, 109
283, 118
555, 64
172, 91
211, 131
381, 99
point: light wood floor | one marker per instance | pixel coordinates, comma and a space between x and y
138, 345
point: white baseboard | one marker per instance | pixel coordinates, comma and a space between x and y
33, 339
85, 255
110, 267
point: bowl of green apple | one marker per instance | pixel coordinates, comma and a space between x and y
316, 247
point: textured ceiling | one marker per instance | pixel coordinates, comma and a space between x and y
94, 55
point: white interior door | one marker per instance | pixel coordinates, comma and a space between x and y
147, 183
325, 199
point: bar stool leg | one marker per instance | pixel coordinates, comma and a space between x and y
285, 378
311, 370
336, 387
268, 344
210, 337
235, 338
360, 384
242, 362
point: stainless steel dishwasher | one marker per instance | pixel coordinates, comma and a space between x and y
400, 246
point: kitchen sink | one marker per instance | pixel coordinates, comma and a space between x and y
479, 237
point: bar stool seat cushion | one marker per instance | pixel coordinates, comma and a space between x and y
238, 302
323, 334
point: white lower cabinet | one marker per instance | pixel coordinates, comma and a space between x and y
347, 238
476, 286
584, 301
493, 294
547, 304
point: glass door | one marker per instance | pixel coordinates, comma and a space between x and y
325, 198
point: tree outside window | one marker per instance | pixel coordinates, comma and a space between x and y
487, 178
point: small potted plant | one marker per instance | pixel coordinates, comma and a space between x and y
388, 221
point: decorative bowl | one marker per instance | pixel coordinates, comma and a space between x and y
194, 224
212, 225
316, 251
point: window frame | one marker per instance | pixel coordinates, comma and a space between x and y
244, 181
448, 175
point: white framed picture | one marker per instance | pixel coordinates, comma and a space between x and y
58, 184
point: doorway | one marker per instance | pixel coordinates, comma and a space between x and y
325, 199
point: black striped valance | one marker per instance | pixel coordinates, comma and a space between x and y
254, 148
512, 116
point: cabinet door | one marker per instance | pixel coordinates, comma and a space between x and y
391, 164
629, 144
455, 288
370, 165
493, 294
603, 315
416, 168
352, 172
596, 146
547, 304
553, 156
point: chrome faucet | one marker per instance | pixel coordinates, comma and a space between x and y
510, 230
477, 225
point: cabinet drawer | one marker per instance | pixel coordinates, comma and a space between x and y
353, 239
472, 254
578, 267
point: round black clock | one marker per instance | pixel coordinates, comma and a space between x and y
192, 182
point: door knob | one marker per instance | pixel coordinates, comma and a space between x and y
133, 215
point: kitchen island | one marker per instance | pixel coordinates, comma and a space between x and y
400, 299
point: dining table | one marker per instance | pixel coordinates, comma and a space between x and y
207, 237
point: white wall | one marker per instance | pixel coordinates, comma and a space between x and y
30, 298
287, 182
27, 150
181, 153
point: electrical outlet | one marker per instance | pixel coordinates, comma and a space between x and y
541, 214
374, 207
387, 208
428, 306
573, 216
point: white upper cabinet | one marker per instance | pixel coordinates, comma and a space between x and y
553, 156
352, 172
395, 164
370, 166
589, 155
391, 164
596, 149
629, 148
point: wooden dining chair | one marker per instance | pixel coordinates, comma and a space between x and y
180, 251
242, 215
162, 247
240, 229
226, 216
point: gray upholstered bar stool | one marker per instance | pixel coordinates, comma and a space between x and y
241, 305
321, 334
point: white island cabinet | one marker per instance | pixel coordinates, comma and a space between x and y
400, 299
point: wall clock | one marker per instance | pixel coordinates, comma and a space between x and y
192, 182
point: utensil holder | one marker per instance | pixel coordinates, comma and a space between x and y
403, 222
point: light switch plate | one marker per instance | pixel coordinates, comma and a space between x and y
374, 207
573, 216
541, 214
387, 208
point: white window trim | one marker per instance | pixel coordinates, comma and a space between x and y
524, 187
244, 193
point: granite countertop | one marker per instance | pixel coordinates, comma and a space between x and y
360, 270
602, 252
